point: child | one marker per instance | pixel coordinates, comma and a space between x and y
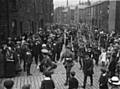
47, 83
73, 82
103, 80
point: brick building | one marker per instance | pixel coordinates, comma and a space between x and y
23, 16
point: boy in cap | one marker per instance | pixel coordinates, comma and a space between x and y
8, 84
47, 83
73, 82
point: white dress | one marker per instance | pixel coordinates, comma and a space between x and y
102, 57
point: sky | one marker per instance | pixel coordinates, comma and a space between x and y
71, 2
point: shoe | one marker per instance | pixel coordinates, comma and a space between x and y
66, 84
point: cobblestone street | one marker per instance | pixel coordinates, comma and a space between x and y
58, 77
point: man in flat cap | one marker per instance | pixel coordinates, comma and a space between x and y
73, 82
8, 84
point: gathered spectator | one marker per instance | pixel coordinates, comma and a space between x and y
8, 84
118, 68
1, 64
47, 83
88, 70
103, 58
1, 87
73, 82
112, 66
103, 80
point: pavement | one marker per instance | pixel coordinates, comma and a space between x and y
58, 77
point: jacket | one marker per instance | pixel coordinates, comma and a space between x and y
88, 66
47, 83
73, 83
103, 80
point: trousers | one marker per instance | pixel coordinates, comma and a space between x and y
85, 79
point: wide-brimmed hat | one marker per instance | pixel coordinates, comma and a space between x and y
114, 81
44, 51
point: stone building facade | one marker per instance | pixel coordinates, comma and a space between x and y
24, 16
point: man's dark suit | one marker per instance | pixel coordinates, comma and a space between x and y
88, 70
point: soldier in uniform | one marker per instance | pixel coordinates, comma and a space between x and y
68, 57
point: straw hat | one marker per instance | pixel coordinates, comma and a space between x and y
44, 51
114, 81
43, 45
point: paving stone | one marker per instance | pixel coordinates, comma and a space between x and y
58, 77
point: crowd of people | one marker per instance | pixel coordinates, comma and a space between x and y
15, 51
92, 49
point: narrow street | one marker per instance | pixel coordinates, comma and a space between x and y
58, 77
